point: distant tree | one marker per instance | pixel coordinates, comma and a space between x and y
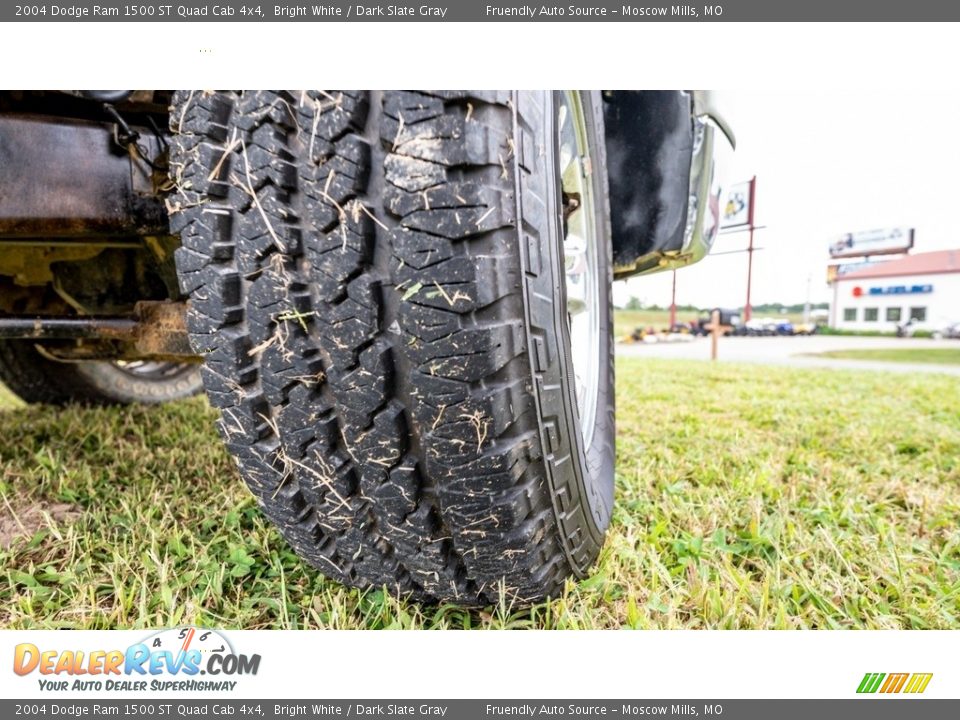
633, 304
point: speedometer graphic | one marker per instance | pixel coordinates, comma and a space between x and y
183, 639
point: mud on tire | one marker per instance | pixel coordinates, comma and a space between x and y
376, 286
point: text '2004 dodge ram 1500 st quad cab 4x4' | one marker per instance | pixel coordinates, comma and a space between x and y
400, 302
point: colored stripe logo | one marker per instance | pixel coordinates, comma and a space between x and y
913, 683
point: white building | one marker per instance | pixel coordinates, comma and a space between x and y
924, 287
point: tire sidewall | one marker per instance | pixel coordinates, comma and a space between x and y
580, 479
599, 457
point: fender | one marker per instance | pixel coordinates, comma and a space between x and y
660, 169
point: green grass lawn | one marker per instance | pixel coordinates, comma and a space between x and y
748, 497
937, 356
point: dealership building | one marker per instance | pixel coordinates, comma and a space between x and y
924, 287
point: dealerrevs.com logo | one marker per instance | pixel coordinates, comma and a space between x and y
170, 660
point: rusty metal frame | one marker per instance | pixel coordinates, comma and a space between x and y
155, 331
63, 178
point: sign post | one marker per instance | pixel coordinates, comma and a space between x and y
673, 303
747, 308
714, 333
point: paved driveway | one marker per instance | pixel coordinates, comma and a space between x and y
795, 351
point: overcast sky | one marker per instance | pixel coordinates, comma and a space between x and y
826, 164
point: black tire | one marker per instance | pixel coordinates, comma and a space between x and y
377, 288
34, 378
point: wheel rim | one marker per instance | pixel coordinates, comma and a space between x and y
581, 257
146, 370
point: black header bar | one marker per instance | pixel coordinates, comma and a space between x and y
483, 11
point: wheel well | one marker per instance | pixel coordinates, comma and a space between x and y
649, 137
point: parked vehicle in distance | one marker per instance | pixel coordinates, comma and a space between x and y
769, 326
805, 328
935, 330
760, 326
729, 321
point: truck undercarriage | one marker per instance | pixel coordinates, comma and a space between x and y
86, 256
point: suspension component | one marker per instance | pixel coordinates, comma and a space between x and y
156, 331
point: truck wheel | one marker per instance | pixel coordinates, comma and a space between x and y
386, 288
35, 378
